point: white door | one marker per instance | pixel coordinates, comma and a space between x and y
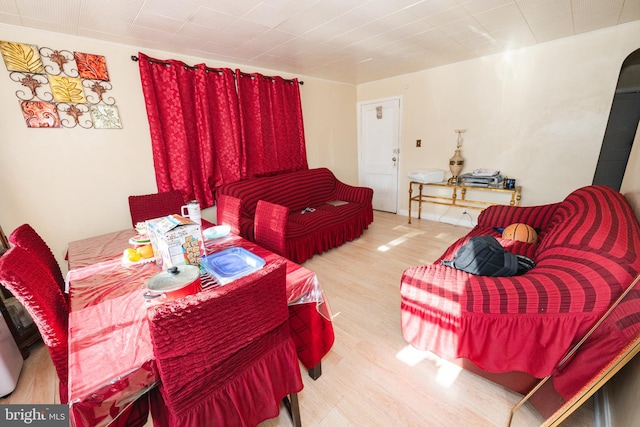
379, 152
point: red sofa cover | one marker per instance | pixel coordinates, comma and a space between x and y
271, 212
588, 253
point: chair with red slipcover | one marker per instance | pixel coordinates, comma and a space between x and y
225, 355
155, 205
33, 285
27, 238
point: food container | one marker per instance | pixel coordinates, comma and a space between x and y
231, 264
139, 240
173, 283
175, 240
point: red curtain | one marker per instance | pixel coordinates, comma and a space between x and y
195, 128
272, 127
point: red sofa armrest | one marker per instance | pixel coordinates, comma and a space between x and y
350, 193
228, 212
270, 226
502, 216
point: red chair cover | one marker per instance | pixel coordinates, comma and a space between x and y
149, 206
32, 284
27, 238
270, 217
225, 356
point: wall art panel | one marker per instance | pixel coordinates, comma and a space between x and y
60, 88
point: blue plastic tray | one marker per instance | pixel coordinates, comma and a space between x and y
230, 264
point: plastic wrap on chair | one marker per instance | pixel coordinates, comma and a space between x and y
271, 226
228, 213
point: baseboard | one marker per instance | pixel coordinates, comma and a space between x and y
601, 408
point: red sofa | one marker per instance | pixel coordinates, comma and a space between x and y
295, 214
514, 330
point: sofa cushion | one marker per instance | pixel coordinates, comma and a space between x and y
331, 227
325, 216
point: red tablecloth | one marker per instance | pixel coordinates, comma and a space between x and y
110, 353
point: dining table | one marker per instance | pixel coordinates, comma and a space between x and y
111, 362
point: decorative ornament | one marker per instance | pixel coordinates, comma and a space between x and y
456, 162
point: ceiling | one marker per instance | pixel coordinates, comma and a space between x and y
351, 41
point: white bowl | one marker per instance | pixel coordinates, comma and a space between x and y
216, 232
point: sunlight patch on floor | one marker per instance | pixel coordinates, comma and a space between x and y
411, 356
400, 240
447, 372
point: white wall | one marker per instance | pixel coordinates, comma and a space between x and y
74, 183
537, 114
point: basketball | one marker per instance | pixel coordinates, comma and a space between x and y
521, 232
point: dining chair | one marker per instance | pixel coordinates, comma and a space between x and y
27, 238
35, 288
155, 205
225, 356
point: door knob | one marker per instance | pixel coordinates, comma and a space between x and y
394, 159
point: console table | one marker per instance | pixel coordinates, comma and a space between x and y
458, 196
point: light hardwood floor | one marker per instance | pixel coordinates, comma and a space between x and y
371, 377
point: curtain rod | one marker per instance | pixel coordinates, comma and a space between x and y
134, 58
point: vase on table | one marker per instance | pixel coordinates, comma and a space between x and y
456, 162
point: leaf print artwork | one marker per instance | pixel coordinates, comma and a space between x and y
105, 117
91, 66
21, 57
67, 89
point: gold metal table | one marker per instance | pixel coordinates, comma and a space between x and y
461, 201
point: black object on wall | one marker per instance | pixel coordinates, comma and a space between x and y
622, 125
